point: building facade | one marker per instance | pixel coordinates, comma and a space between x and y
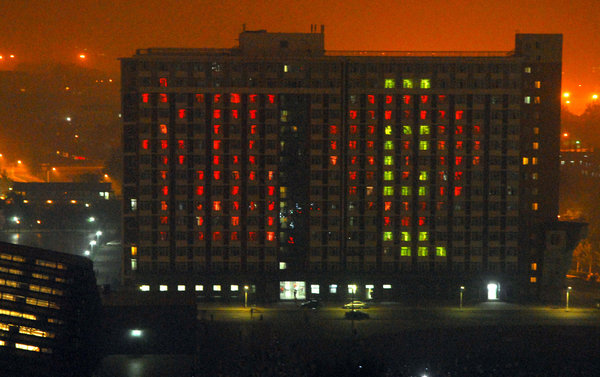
298, 171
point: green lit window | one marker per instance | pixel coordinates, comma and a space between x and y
388, 130
440, 251
407, 84
387, 236
425, 84
390, 83
405, 251
388, 190
388, 145
388, 160
388, 175
423, 236
423, 145
424, 130
422, 190
406, 130
423, 176
405, 236
405, 190
423, 252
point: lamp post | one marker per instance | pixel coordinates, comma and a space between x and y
92, 244
567, 303
245, 296
98, 234
462, 289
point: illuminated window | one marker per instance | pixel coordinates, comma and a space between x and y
476, 160
388, 99
352, 114
252, 114
333, 130
163, 128
406, 130
200, 98
163, 288
217, 236
145, 144
534, 160
388, 130
388, 236
162, 97
406, 99
525, 160
441, 145
527, 69
199, 220
537, 100
442, 114
405, 221
535, 145
527, 99
405, 190
216, 206
217, 288
424, 130
390, 83
388, 114
534, 206
165, 190
270, 236
422, 251
371, 129
423, 176
163, 82
422, 190
217, 175
405, 236
532, 279
352, 144
423, 114
440, 251
388, 145
458, 160
425, 84
353, 129
388, 190
371, 99
459, 114
387, 206
405, 251
407, 84
388, 175
333, 145
388, 160
181, 288
423, 145
145, 97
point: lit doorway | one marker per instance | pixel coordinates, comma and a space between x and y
492, 289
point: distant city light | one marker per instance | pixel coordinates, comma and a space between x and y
86, 253
136, 333
568, 102
12, 56
594, 96
566, 94
68, 119
1, 57
91, 219
19, 162
565, 134
82, 56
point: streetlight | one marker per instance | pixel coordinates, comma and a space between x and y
245, 296
98, 234
86, 253
462, 289
92, 244
567, 304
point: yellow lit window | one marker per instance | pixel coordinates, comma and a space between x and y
388, 145
388, 190
527, 99
525, 160
388, 175
388, 160
533, 279
423, 236
538, 84
407, 84
27, 347
537, 100
423, 145
536, 145
388, 130
405, 251
405, 236
534, 160
534, 267
424, 130
422, 190
423, 176
405, 190
133, 251
390, 83
423, 251
534, 206
440, 251
406, 130
425, 84
387, 236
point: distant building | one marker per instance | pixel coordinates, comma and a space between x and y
63, 192
49, 313
304, 172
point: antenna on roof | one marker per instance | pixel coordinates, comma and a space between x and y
322, 29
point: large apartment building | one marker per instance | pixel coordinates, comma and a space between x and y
297, 171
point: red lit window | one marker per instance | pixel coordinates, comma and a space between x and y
251, 144
162, 174
271, 98
371, 98
270, 236
459, 114
271, 206
371, 114
333, 130
252, 98
180, 144
235, 175
163, 205
164, 220
442, 160
388, 99
235, 190
165, 190
270, 220
370, 205
424, 99
199, 190
333, 145
387, 206
235, 159
406, 160
423, 205
234, 114
235, 221
181, 159
404, 205
457, 191
216, 206
441, 99
217, 98
216, 160
370, 144
200, 236
333, 160
217, 175
371, 160
421, 221
145, 97
165, 160
235, 98
423, 114
352, 144
442, 175
252, 175
216, 144
270, 175
386, 221
441, 145
458, 175
442, 114
353, 129
442, 191
200, 174
145, 144
352, 175
235, 205
405, 175
217, 236
271, 190
476, 160
352, 190
252, 114
406, 99
162, 97
200, 98
353, 160
459, 145
217, 114
458, 160
164, 144
163, 82
407, 114
163, 128
405, 221
234, 236
441, 130
252, 160
252, 206
477, 145
353, 114
252, 129
459, 130
406, 145
371, 129
476, 129
199, 206
388, 114
251, 236
181, 113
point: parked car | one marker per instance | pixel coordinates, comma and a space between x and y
311, 304
356, 305
356, 315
